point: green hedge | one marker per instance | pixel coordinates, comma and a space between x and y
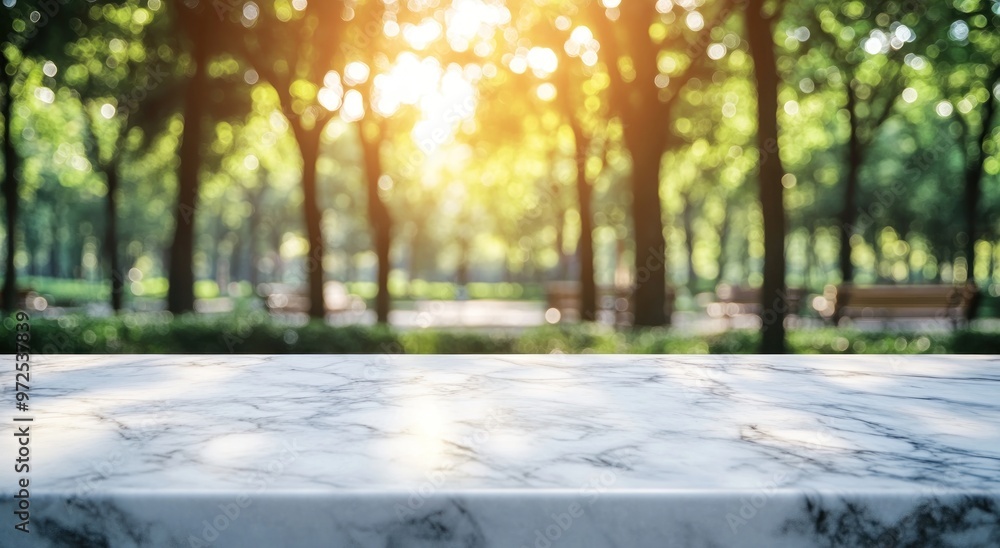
257, 333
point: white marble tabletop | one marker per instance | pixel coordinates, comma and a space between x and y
506, 450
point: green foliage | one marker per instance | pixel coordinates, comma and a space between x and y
255, 333
970, 342
456, 342
570, 339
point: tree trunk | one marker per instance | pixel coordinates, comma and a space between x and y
10, 193
237, 258
774, 302
235, 262
180, 294
309, 148
749, 263
584, 192
411, 263
111, 237
991, 269
562, 266
687, 217
974, 176
809, 259
54, 250
906, 261
31, 245
849, 211
650, 295
877, 244
723, 238
414, 253
588, 287
278, 274
76, 256
253, 275
219, 270
462, 270
242, 262
381, 223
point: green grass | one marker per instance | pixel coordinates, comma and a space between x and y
67, 292
255, 332
74, 292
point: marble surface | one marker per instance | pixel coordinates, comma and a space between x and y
521, 451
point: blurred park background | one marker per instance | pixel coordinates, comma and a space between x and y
502, 176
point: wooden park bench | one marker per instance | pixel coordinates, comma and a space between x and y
292, 299
564, 296
954, 303
735, 301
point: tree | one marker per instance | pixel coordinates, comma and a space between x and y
975, 166
25, 32
774, 303
197, 26
873, 78
372, 132
301, 71
208, 96
118, 93
969, 77
584, 192
10, 185
643, 98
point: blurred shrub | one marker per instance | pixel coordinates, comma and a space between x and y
455, 342
973, 342
254, 332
